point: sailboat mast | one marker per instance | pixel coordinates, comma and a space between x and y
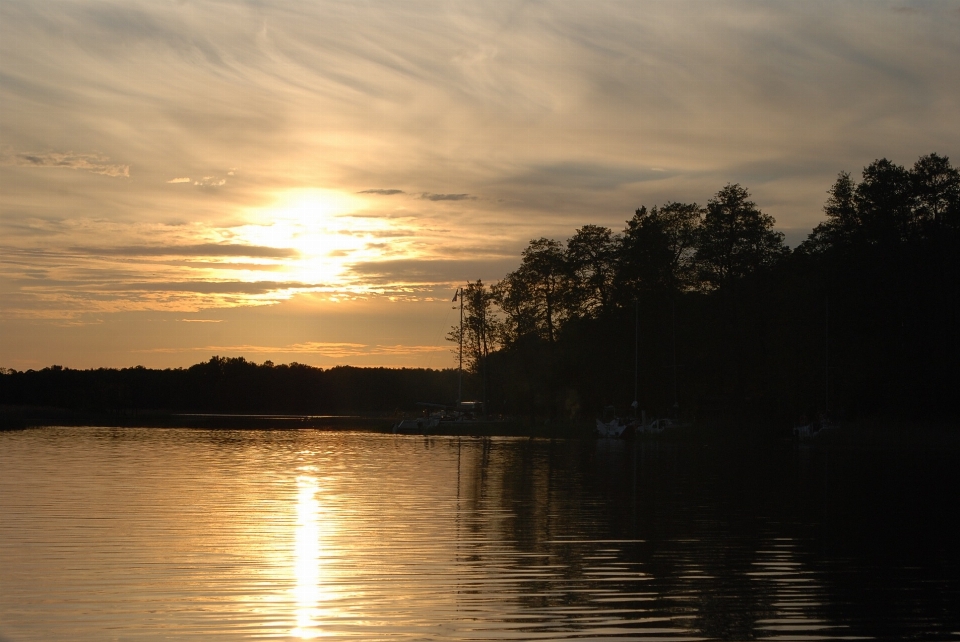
460, 366
676, 397
636, 353
826, 359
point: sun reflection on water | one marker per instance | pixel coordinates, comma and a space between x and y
306, 568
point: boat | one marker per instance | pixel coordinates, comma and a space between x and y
613, 428
419, 425
813, 429
443, 416
654, 426
617, 428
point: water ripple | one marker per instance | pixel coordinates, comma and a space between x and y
138, 534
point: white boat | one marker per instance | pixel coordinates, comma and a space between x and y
616, 428
415, 426
814, 428
612, 428
653, 427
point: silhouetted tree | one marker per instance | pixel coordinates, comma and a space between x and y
535, 297
890, 205
482, 330
736, 238
883, 200
936, 191
591, 261
659, 248
843, 219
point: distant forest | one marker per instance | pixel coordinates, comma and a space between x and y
860, 320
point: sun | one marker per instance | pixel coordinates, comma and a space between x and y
324, 230
300, 218
315, 206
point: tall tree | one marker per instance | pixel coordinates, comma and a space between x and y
535, 296
659, 247
591, 258
481, 327
883, 201
890, 205
736, 238
843, 217
936, 191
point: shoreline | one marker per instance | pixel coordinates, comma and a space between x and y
25, 417
866, 434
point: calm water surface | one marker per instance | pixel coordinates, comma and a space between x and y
158, 534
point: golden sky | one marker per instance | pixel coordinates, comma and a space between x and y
309, 181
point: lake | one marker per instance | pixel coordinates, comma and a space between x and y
167, 534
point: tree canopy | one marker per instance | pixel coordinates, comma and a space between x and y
875, 285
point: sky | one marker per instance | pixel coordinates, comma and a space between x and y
310, 181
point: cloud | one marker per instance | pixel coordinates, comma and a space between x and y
94, 163
581, 175
204, 264
207, 287
201, 320
447, 197
317, 348
185, 179
382, 192
425, 271
200, 249
31, 228
382, 234
210, 181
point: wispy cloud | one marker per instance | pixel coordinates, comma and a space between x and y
206, 287
582, 175
184, 179
317, 348
210, 181
433, 271
196, 250
447, 197
382, 192
94, 163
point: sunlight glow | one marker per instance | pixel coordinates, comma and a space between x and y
307, 559
327, 230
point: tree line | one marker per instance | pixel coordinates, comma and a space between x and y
860, 319
229, 385
694, 311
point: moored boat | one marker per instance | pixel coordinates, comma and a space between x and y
612, 428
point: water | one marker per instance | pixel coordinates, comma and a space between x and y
157, 534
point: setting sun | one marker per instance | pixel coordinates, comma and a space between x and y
325, 229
